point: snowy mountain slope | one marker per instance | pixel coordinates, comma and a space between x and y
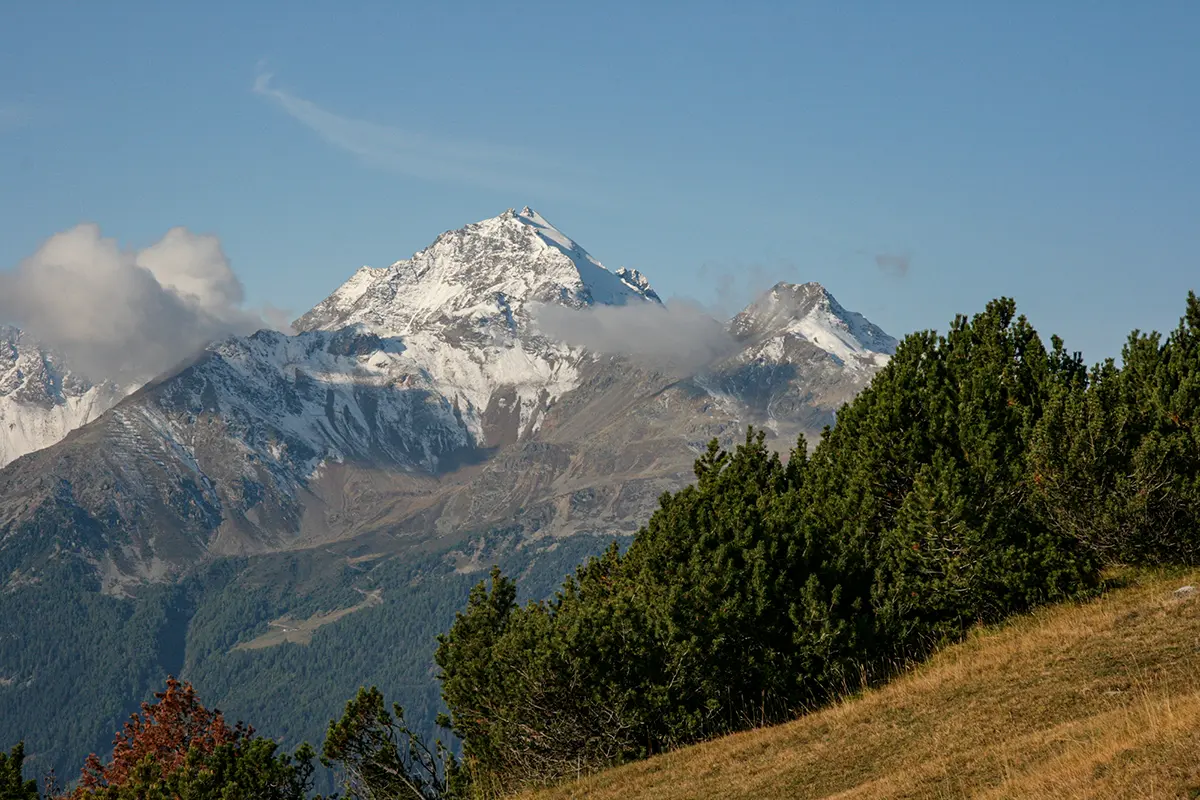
462, 308
419, 404
803, 356
401, 375
484, 275
243, 451
41, 399
626, 433
792, 313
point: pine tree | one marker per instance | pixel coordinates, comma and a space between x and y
13, 785
764, 588
923, 491
1116, 459
381, 757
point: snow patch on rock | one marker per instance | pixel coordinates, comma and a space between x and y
41, 398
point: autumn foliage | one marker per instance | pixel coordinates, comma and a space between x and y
166, 732
176, 749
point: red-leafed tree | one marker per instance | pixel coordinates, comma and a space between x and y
176, 749
165, 731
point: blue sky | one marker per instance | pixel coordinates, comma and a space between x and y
1046, 151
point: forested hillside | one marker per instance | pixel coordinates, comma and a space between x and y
980, 475
289, 691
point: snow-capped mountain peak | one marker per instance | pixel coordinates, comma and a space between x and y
629, 284
41, 398
808, 312
459, 315
484, 275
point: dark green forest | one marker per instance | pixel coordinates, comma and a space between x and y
981, 474
984, 472
81, 661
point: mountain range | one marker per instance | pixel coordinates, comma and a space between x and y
419, 412
417, 400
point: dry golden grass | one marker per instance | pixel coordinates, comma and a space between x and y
1098, 700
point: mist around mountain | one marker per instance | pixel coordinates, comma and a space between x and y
258, 518
85, 322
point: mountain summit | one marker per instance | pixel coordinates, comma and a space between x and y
421, 426
791, 313
478, 280
419, 405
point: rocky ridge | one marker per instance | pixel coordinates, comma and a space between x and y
42, 398
419, 406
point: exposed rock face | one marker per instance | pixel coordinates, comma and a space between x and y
803, 357
418, 406
41, 398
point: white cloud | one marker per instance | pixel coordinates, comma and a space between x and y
416, 154
126, 314
678, 336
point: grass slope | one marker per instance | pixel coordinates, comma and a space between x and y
1097, 700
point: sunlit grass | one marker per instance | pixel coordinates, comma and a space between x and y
1100, 699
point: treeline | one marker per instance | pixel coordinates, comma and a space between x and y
66, 700
177, 749
982, 473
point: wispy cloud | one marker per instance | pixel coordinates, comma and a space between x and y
419, 155
734, 286
679, 336
893, 263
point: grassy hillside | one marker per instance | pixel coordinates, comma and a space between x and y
1094, 700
